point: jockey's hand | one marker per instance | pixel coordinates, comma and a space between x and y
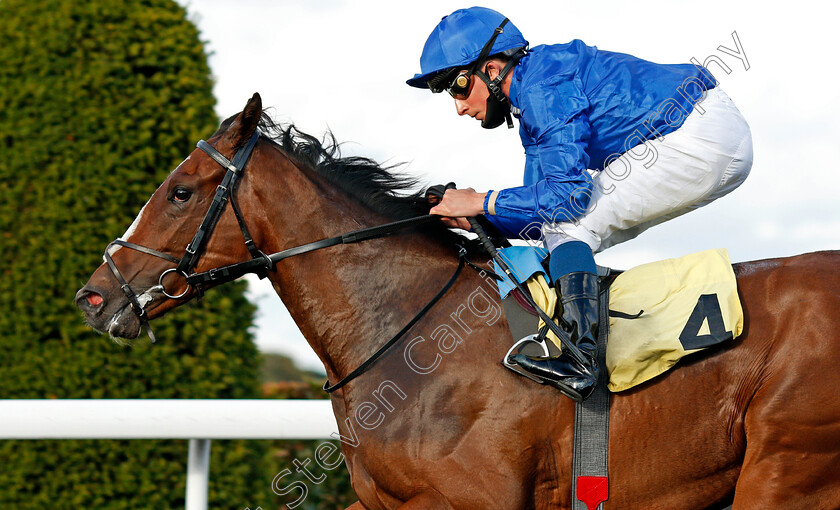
457, 205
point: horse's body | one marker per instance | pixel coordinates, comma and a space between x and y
757, 420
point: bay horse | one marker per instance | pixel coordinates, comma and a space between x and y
437, 422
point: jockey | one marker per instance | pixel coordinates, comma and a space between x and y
613, 145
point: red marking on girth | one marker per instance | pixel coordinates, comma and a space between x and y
593, 490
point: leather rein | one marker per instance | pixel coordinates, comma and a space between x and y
260, 262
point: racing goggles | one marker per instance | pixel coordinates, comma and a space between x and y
462, 85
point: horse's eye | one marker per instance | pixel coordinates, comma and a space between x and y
181, 195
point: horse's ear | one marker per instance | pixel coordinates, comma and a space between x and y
246, 122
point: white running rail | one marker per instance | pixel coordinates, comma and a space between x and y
196, 420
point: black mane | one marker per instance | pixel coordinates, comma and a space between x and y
373, 185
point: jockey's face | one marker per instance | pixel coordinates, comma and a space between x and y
475, 105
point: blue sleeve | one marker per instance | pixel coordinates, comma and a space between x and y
556, 132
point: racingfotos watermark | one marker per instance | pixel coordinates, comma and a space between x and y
639, 149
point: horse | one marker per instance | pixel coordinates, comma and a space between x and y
436, 421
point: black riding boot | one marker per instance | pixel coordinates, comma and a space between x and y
578, 300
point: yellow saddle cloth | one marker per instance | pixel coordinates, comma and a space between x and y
690, 303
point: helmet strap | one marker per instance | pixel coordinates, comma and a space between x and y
488, 46
498, 105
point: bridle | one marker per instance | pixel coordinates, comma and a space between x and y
260, 263
187, 262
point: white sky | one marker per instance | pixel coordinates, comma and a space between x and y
342, 65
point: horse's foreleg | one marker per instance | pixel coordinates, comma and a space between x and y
356, 506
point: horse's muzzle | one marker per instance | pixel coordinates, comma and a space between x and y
112, 316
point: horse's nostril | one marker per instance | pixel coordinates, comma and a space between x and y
94, 299
89, 301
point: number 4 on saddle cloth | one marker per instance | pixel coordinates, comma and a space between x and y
687, 304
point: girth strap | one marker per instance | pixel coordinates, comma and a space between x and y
590, 458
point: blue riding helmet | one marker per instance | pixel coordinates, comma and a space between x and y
459, 38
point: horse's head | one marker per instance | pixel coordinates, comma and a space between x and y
144, 273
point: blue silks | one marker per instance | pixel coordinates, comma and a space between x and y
581, 108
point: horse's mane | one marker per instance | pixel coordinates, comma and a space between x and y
374, 185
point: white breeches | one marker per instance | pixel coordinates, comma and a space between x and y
707, 157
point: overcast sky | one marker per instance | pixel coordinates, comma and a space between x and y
342, 66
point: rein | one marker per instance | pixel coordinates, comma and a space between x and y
260, 262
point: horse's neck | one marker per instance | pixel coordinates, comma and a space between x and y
348, 300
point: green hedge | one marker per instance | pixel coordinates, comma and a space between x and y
99, 101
